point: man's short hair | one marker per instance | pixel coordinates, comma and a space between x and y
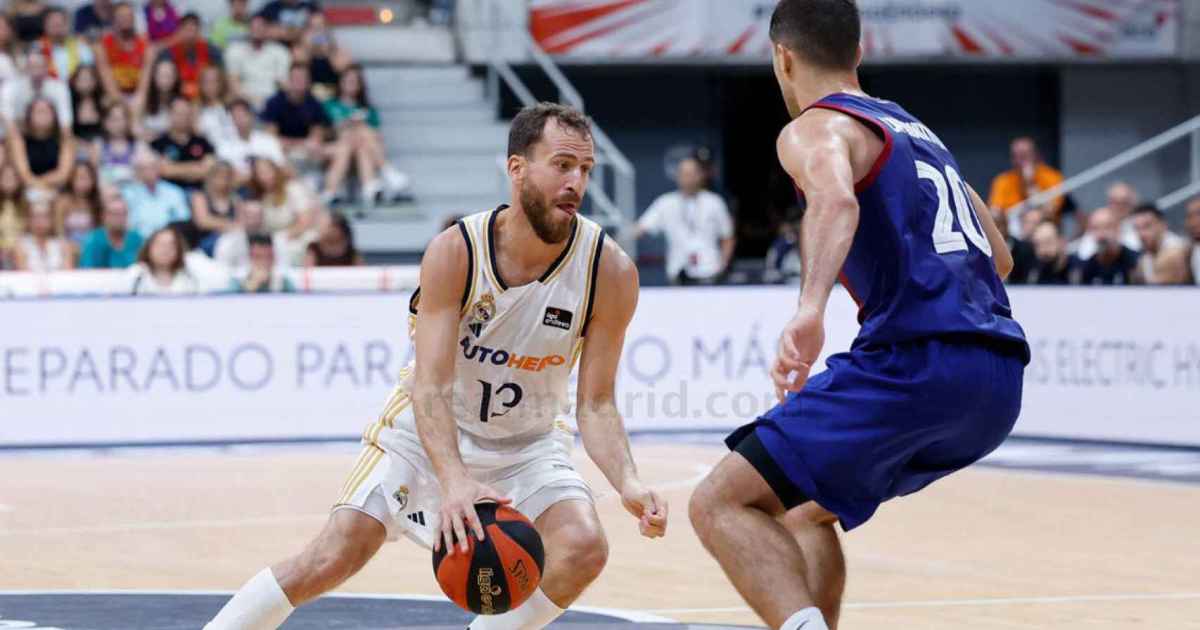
528, 126
260, 240
825, 33
1151, 209
190, 16
240, 102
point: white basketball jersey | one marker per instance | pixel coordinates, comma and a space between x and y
517, 346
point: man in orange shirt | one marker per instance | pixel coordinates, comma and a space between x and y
1028, 176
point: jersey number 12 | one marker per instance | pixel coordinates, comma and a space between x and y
485, 401
952, 191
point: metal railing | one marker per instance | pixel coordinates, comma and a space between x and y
1189, 129
618, 210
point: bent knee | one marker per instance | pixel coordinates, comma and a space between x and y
346, 544
587, 552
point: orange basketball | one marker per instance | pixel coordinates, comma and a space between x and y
498, 574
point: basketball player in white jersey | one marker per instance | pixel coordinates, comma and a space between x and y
509, 301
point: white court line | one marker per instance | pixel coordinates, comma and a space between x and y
158, 525
940, 603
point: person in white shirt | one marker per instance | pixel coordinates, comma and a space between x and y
19, 92
233, 247
1164, 257
1122, 199
697, 226
257, 67
247, 143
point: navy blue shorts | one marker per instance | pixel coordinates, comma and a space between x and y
885, 421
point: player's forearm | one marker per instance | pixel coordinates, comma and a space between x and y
606, 442
438, 431
826, 236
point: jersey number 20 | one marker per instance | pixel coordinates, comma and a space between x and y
952, 191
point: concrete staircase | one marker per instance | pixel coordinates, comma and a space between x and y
441, 131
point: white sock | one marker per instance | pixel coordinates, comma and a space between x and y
805, 619
261, 604
537, 612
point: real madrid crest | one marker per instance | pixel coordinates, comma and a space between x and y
401, 496
481, 313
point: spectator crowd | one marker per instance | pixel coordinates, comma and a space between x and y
1126, 241
134, 137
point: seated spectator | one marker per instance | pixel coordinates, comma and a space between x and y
153, 203
77, 210
187, 157
289, 207
258, 66
247, 143
41, 248
299, 121
87, 104
783, 263
1122, 199
263, 276
359, 142
233, 26
1019, 245
17, 94
152, 103
123, 52
214, 121
112, 153
1164, 257
326, 60
44, 152
213, 206
334, 246
1052, 264
64, 52
10, 50
162, 20
93, 19
233, 247
28, 19
112, 245
1193, 227
288, 18
1112, 263
1029, 175
191, 54
14, 213
160, 267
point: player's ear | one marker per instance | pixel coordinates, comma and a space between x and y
516, 167
859, 57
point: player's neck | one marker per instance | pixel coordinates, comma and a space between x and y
521, 253
822, 85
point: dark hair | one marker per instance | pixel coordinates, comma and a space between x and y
178, 263
362, 99
824, 33
347, 258
155, 97
530, 124
93, 197
80, 69
128, 120
190, 16
176, 98
240, 102
1149, 208
222, 85
261, 240
55, 130
52, 10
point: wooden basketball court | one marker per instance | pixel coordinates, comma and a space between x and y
987, 549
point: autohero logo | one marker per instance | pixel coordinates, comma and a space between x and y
500, 357
487, 591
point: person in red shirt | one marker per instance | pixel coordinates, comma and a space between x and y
192, 54
122, 52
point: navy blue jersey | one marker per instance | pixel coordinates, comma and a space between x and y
920, 264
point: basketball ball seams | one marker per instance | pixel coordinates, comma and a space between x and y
521, 571
498, 573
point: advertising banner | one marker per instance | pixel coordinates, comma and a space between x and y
893, 30
1108, 364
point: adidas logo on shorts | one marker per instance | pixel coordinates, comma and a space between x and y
418, 518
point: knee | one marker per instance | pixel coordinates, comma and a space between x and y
343, 549
704, 503
586, 552
809, 515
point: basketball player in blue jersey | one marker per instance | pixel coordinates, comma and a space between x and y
933, 381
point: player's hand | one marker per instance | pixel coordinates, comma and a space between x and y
645, 505
800, 344
459, 497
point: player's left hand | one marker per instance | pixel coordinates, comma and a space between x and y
800, 344
649, 508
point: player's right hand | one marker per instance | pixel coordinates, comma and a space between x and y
800, 344
459, 497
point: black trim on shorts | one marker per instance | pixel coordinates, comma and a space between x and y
745, 442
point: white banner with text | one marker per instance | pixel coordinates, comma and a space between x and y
1108, 364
